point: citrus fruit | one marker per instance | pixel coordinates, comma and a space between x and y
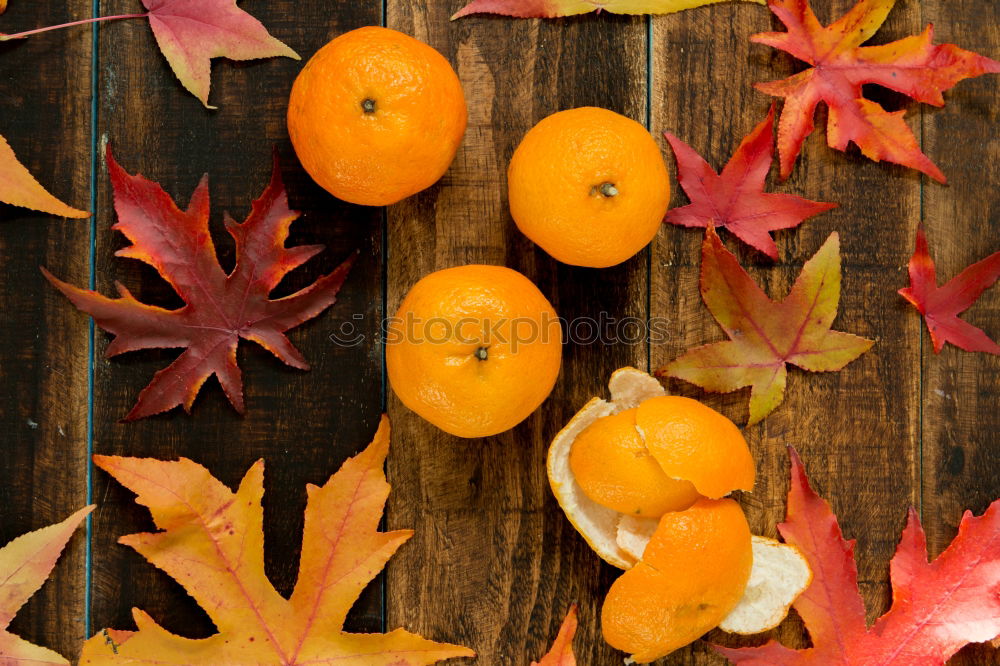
615, 469
692, 575
692, 441
589, 186
779, 572
474, 349
376, 116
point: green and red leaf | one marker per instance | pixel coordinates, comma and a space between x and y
765, 336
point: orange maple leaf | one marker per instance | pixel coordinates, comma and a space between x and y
913, 66
19, 188
212, 543
25, 563
561, 653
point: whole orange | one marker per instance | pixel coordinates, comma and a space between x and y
589, 186
474, 349
376, 116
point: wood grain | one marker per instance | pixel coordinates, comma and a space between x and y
857, 430
960, 415
43, 361
303, 423
494, 564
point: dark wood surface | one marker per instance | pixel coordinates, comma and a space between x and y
494, 564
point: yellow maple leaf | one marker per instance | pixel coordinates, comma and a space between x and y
554, 8
19, 188
25, 563
211, 541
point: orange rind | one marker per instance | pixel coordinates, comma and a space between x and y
780, 573
691, 576
613, 467
777, 573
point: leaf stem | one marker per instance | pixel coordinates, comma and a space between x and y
28, 33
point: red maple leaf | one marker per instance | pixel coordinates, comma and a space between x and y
735, 199
941, 306
220, 309
914, 66
937, 608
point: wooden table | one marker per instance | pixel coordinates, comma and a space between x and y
494, 564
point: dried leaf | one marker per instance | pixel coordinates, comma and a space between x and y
913, 66
211, 542
19, 188
220, 309
735, 199
25, 564
937, 608
765, 335
192, 32
941, 306
554, 8
561, 653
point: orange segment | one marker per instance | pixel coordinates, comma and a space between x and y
693, 441
693, 573
614, 468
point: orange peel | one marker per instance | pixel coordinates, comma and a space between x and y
779, 573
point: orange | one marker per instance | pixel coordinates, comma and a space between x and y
615, 469
376, 116
692, 574
589, 186
692, 441
474, 349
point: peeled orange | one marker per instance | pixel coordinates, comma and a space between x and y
693, 565
691, 576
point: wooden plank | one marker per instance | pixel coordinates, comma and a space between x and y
43, 363
960, 390
494, 564
303, 423
857, 429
